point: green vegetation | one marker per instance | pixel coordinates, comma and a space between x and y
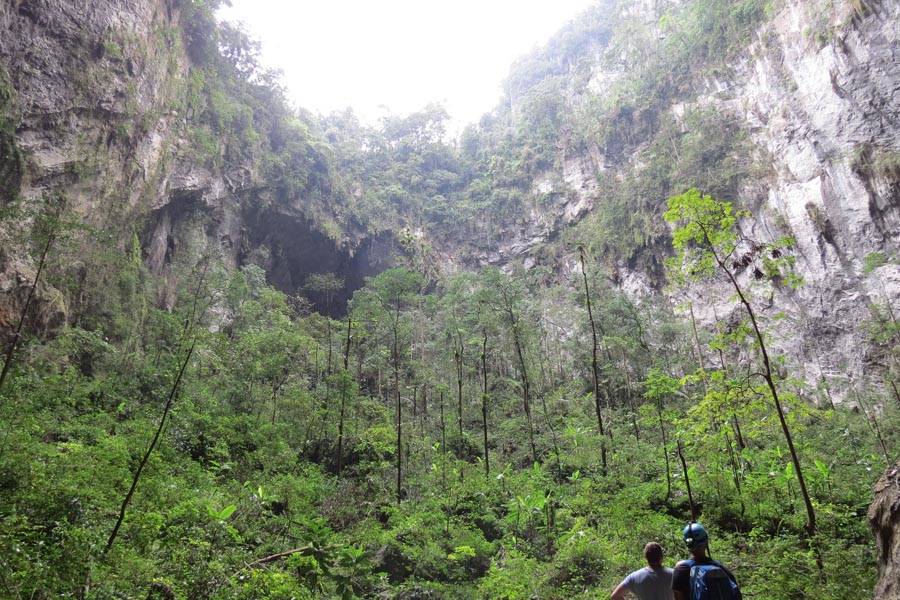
112, 50
490, 434
280, 472
874, 261
649, 150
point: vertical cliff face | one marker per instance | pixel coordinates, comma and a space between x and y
884, 516
85, 89
113, 113
111, 107
822, 96
819, 92
801, 126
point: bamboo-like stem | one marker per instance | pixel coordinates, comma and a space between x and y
146, 457
687, 482
594, 369
23, 315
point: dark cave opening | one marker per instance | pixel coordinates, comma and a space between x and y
297, 249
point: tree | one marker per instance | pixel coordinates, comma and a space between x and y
325, 285
595, 374
504, 295
459, 304
345, 384
49, 225
706, 243
657, 387
484, 402
394, 290
271, 349
140, 469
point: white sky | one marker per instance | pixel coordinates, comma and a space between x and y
383, 56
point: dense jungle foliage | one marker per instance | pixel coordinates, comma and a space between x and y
390, 453
489, 434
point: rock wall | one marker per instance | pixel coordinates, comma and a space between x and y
93, 94
818, 94
884, 516
821, 93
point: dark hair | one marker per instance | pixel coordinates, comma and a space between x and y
653, 552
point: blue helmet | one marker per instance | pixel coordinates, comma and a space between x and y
695, 535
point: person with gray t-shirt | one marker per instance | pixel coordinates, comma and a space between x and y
653, 582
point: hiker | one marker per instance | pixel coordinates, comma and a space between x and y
653, 582
700, 577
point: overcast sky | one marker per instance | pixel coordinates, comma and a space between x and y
399, 55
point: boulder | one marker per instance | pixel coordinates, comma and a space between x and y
884, 517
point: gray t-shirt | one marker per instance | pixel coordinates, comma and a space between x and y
650, 584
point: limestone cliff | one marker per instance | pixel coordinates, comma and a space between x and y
820, 91
113, 109
804, 119
117, 108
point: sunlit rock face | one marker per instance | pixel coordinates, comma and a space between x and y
818, 94
827, 110
884, 516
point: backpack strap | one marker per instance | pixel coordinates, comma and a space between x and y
726, 569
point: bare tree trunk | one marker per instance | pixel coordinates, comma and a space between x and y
629, 396
193, 318
687, 482
546, 382
770, 382
276, 388
443, 444
662, 431
146, 457
553, 435
345, 383
873, 426
735, 471
328, 337
523, 375
458, 356
424, 405
594, 368
23, 315
396, 357
697, 350
315, 380
484, 404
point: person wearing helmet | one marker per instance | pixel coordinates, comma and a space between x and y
701, 577
653, 582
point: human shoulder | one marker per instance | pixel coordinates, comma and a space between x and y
629, 579
680, 574
636, 575
684, 565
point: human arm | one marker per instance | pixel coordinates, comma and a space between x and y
621, 589
681, 580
